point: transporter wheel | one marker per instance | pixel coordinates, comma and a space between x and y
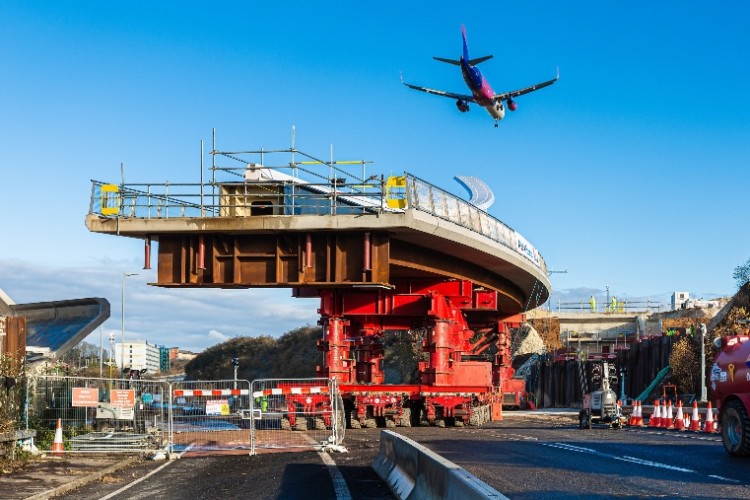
584, 419
475, 419
735, 429
354, 421
285, 425
301, 424
320, 424
405, 418
370, 423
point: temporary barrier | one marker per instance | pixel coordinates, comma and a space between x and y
96, 414
79, 414
296, 414
207, 417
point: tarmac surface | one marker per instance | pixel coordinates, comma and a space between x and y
48, 476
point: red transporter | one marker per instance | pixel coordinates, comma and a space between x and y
462, 371
730, 384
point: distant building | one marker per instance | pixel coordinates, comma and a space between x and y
186, 355
679, 299
139, 355
173, 351
164, 359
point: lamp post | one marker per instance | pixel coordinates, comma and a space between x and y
122, 321
101, 350
111, 351
236, 364
702, 328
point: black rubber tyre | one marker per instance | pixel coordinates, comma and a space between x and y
584, 419
735, 429
405, 420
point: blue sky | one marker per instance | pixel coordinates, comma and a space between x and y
630, 172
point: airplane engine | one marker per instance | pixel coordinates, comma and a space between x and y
512, 105
462, 106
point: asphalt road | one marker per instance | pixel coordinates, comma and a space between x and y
523, 456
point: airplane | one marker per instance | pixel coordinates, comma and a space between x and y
481, 92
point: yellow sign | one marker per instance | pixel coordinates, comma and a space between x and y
217, 407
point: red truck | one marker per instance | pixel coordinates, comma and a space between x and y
730, 384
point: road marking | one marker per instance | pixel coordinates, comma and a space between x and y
633, 460
339, 484
721, 478
128, 486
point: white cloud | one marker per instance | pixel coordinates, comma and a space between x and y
162, 316
217, 337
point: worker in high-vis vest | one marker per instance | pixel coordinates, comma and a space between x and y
592, 303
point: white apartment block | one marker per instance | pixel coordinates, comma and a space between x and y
139, 354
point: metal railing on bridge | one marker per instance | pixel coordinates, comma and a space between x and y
308, 187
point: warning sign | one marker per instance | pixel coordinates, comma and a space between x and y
217, 407
122, 397
85, 396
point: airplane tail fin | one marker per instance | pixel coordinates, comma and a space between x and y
457, 62
466, 45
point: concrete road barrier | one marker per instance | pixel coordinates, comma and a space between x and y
414, 472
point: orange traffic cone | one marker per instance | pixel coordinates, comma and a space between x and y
679, 421
639, 417
57, 444
710, 425
667, 422
655, 420
695, 420
633, 415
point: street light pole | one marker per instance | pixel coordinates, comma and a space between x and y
101, 350
122, 322
111, 351
702, 328
236, 363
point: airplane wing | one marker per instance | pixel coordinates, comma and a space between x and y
451, 95
516, 93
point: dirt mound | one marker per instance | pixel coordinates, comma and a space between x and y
733, 317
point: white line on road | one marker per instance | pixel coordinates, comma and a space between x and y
722, 478
339, 484
634, 460
128, 486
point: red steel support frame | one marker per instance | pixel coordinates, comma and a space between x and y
452, 383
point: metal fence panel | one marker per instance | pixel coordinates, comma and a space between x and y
97, 414
210, 417
296, 414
